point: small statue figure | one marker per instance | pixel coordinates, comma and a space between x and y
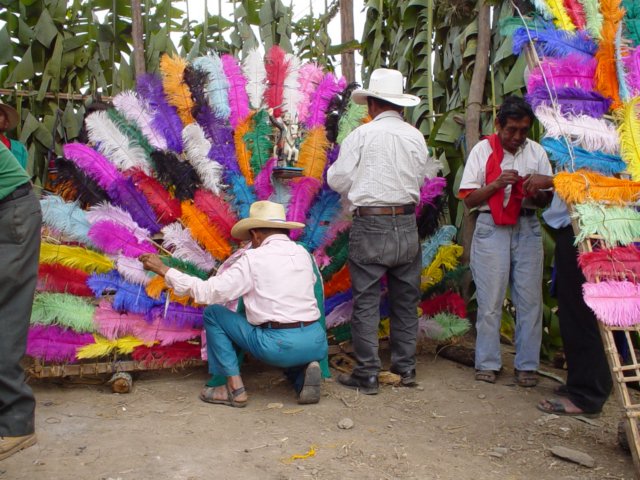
285, 147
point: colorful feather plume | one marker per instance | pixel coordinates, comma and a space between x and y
166, 208
620, 263
616, 225
172, 172
353, 118
450, 302
256, 75
430, 247
237, 93
258, 141
205, 232
56, 278
124, 194
614, 303
55, 344
590, 133
585, 186
575, 11
185, 267
431, 189
243, 194
313, 153
444, 326
166, 356
131, 270
217, 86
309, 78
340, 282
112, 324
107, 212
178, 315
606, 73
593, 17
71, 183
333, 231
562, 19
322, 216
632, 69
629, 131
292, 95
135, 110
338, 253
446, 258
217, 211
185, 247
114, 238
92, 163
303, 192
320, 100
551, 42
575, 158
66, 218
243, 154
276, 66
263, 183
130, 130
571, 101
570, 71
75, 257
64, 310
175, 88
114, 145
196, 153
340, 314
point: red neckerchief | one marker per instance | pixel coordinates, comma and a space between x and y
6, 141
502, 215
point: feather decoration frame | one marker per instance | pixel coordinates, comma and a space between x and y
131, 270
619, 263
175, 88
629, 131
65, 310
431, 189
333, 231
243, 194
197, 149
75, 257
166, 356
576, 158
447, 258
444, 326
450, 302
217, 87
430, 247
67, 218
616, 225
340, 314
614, 303
185, 247
176, 174
71, 183
237, 93
184, 316
130, 130
205, 232
575, 12
543, 9
243, 154
254, 71
112, 324
353, 117
292, 96
135, 110
340, 282
124, 194
606, 72
585, 186
328, 88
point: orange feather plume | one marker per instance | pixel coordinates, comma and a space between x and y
340, 282
205, 232
584, 186
606, 73
242, 152
313, 153
157, 285
175, 88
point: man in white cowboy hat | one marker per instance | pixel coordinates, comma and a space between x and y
8, 121
380, 170
276, 281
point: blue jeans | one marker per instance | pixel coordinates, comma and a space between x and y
284, 348
501, 256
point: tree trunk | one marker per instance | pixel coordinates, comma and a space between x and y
137, 35
472, 120
347, 35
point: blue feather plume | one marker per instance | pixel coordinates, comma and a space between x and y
102, 283
551, 42
133, 298
321, 214
559, 152
625, 95
67, 218
444, 236
165, 117
217, 86
338, 299
183, 316
243, 194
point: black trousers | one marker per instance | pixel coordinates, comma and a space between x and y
588, 377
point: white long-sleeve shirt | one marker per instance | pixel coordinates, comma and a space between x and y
383, 162
276, 281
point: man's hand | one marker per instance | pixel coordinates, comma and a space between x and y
507, 177
536, 182
153, 263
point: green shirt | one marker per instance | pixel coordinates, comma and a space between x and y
12, 175
20, 152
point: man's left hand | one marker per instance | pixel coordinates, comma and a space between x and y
153, 263
536, 182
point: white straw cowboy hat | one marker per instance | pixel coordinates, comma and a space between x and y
263, 214
11, 114
385, 84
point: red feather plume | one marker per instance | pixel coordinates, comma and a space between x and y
276, 65
447, 302
218, 210
576, 13
166, 208
53, 277
340, 282
166, 356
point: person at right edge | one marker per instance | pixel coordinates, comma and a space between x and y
506, 249
380, 169
20, 221
589, 380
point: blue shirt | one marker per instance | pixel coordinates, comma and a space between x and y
557, 215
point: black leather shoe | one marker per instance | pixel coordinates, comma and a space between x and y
310, 392
366, 385
408, 378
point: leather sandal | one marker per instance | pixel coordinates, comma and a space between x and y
488, 376
555, 406
207, 395
526, 378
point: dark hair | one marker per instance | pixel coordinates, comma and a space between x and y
384, 104
515, 108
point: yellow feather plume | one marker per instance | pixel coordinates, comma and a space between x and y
157, 285
175, 88
313, 153
561, 17
126, 345
629, 131
447, 258
586, 186
75, 257
205, 232
103, 346
242, 152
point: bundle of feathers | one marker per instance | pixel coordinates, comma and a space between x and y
169, 170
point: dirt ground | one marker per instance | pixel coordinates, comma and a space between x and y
451, 427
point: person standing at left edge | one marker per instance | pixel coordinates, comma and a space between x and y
20, 221
380, 170
8, 121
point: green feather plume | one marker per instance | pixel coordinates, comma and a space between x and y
351, 119
64, 310
338, 251
593, 16
452, 280
445, 326
258, 141
616, 225
131, 131
185, 267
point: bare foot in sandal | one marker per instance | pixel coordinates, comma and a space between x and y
488, 376
232, 394
564, 406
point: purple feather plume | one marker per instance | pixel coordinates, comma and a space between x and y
573, 101
262, 182
238, 98
165, 117
124, 193
177, 314
303, 192
632, 67
95, 165
571, 71
332, 156
431, 189
55, 344
551, 42
114, 238
223, 149
321, 98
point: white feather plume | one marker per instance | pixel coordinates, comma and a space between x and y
115, 145
135, 110
196, 152
108, 212
590, 133
256, 75
184, 246
132, 270
292, 94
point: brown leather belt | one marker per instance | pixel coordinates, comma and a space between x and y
21, 191
277, 325
399, 210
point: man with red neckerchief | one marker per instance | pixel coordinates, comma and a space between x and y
506, 249
8, 121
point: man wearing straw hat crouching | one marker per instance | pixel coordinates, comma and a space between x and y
276, 281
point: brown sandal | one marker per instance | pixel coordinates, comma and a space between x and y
207, 395
488, 376
526, 378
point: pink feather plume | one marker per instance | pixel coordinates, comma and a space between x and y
55, 344
237, 92
303, 192
320, 255
570, 71
431, 189
614, 303
217, 210
262, 182
632, 67
114, 238
309, 78
321, 98
275, 64
92, 163
113, 324
108, 212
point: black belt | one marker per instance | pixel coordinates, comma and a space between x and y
391, 210
278, 325
21, 191
524, 212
